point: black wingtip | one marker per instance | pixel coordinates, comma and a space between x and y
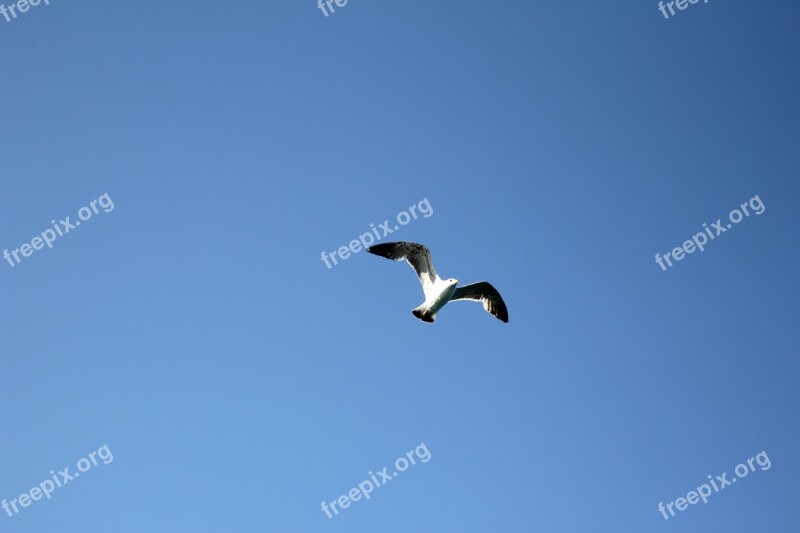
503, 313
386, 249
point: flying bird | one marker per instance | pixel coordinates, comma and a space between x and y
438, 291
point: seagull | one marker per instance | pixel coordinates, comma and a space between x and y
438, 291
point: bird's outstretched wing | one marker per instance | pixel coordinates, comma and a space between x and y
417, 255
485, 293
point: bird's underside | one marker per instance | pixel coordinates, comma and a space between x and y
438, 291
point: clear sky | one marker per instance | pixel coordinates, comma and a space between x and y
196, 331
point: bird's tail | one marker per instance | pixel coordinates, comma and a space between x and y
420, 313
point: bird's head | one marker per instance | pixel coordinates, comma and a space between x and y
452, 281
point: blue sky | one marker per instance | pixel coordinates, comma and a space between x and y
195, 330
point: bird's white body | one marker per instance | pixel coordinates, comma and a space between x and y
436, 297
